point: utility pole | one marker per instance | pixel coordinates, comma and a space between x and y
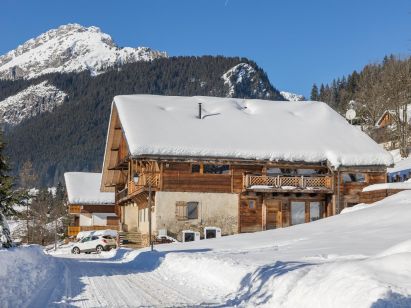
55, 234
149, 215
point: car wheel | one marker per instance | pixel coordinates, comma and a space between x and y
76, 250
99, 249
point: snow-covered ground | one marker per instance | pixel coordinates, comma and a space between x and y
359, 259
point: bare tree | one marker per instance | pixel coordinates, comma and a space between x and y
396, 91
369, 98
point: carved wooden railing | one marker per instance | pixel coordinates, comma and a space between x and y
299, 182
74, 209
144, 181
73, 230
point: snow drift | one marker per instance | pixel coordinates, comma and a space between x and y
23, 271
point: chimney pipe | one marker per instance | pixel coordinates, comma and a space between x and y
199, 111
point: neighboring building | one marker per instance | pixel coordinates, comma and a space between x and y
241, 165
401, 171
92, 209
386, 119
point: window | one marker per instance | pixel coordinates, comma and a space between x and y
297, 212
195, 168
251, 204
315, 210
192, 210
186, 210
353, 177
216, 169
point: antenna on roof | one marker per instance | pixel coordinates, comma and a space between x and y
199, 111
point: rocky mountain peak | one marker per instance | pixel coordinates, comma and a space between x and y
70, 48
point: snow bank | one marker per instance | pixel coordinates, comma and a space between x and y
237, 128
356, 207
374, 282
84, 188
23, 271
395, 185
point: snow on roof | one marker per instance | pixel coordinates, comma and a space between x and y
84, 188
244, 129
401, 165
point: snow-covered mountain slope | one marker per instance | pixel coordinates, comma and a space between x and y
242, 76
30, 102
70, 48
292, 97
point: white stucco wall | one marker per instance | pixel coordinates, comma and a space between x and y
131, 217
86, 220
100, 219
215, 209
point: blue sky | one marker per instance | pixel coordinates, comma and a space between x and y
297, 42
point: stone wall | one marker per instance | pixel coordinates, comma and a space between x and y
215, 209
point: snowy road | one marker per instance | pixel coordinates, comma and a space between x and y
123, 279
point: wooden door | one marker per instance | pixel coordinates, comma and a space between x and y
272, 214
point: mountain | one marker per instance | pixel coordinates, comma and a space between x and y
70, 48
292, 97
30, 102
243, 77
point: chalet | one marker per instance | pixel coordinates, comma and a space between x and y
389, 117
240, 165
91, 209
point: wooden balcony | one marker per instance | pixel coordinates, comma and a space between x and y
318, 183
141, 185
74, 209
73, 230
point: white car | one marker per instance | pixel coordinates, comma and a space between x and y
94, 243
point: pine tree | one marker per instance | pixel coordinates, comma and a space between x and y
8, 197
314, 93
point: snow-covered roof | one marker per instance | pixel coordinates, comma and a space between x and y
84, 188
243, 129
401, 165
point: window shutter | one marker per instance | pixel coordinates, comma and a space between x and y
181, 210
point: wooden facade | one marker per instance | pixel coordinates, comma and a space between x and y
265, 201
270, 194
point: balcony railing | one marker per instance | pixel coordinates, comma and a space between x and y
74, 209
288, 182
139, 185
73, 230
144, 181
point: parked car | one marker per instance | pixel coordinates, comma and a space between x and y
94, 243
